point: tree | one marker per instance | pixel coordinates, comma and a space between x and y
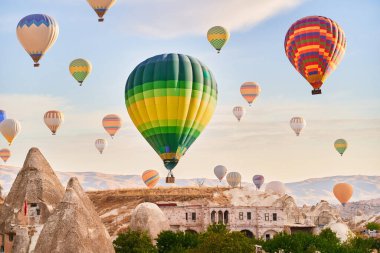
169, 241
373, 226
134, 242
218, 239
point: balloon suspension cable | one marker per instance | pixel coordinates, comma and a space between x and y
80, 83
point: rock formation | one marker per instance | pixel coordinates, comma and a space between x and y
149, 217
74, 226
34, 194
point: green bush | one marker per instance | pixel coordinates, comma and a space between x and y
134, 242
373, 226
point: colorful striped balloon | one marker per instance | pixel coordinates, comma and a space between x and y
315, 45
249, 91
233, 179
150, 178
297, 124
101, 7
80, 69
170, 99
10, 128
218, 37
340, 146
37, 33
53, 120
112, 124
5, 154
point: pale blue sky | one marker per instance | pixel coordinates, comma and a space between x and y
135, 30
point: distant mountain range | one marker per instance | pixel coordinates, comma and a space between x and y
308, 192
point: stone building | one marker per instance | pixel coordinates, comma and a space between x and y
259, 221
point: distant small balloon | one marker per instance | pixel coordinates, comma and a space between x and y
258, 180
150, 178
233, 179
5, 154
100, 145
297, 124
343, 192
53, 120
111, 124
10, 128
239, 112
220, 171
340, 146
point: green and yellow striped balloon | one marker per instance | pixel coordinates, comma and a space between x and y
80, 69
170, 99
340, 146
218, 37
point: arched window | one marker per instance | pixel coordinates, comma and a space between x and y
225, 217
213, 220
220, 217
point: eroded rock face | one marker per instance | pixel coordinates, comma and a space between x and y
74, 226
149, 217
21, 241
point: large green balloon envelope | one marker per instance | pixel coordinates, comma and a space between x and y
170, 99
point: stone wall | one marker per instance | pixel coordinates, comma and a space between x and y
259, 221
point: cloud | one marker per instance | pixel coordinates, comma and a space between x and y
173, 18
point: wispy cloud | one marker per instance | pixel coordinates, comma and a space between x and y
173, 18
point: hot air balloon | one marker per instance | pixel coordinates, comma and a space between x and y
233, 179
111, 124
297, 124
170, 99
220, 171
100, 145
218, 37
5, 154
315, 45
9, 128
3, 115
258, 180
53, 120
275, 187
101, 7
249, 91
239, 112
80, 69
343, 192
150, 178
37, 33
340, 146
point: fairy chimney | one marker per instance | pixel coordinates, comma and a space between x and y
74, 226
34, 194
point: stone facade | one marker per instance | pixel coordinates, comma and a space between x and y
261, 222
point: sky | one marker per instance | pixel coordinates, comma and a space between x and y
134, 30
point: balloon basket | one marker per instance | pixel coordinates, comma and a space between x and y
36, 65
316, 92
100, 19
170, 180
